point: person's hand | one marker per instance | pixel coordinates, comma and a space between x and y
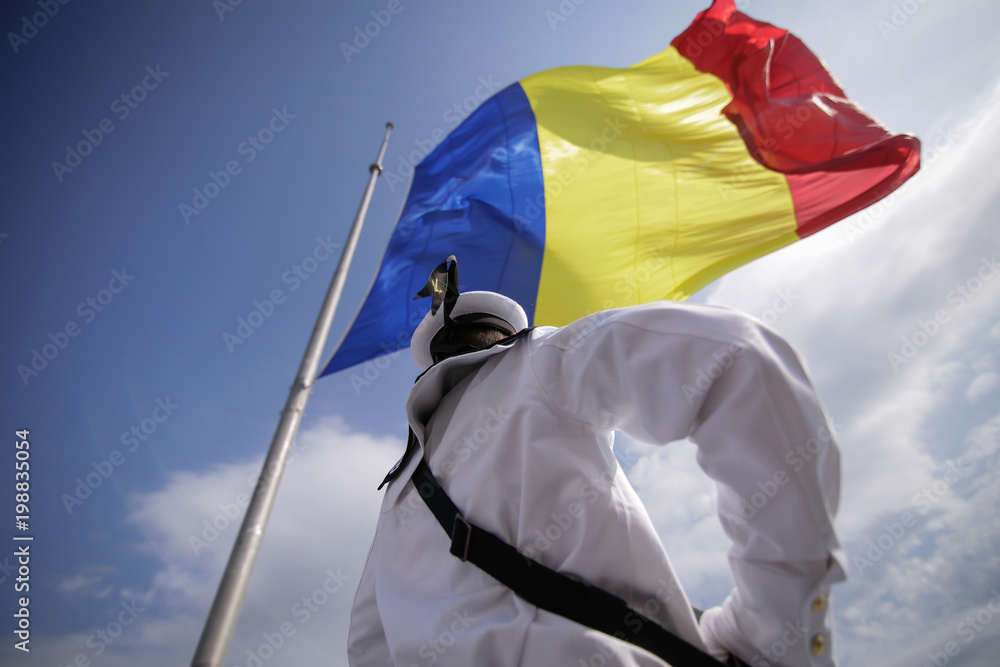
710, 631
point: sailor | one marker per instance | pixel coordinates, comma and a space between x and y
514, 427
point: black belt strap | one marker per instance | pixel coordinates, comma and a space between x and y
550, 590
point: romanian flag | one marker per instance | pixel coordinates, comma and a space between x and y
579, 189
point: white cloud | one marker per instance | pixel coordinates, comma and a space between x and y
89, 582
943, 569
982, 385
323, 520
680, 500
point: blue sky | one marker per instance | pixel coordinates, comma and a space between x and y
143, 391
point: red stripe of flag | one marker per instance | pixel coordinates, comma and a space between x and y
795, 119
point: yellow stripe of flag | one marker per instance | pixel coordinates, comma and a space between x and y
626, 154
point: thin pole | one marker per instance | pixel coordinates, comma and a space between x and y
225, 614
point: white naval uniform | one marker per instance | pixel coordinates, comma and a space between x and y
520, 437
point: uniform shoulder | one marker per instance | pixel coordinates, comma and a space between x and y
719, 323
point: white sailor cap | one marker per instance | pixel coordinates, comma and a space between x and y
488, 306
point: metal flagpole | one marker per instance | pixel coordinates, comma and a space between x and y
225, 614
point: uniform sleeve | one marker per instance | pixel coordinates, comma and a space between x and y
663, 372
366, 643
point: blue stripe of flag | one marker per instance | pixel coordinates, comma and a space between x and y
479, 195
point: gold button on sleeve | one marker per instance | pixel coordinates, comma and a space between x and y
818, 644
819, 603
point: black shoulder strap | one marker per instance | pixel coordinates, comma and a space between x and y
550, 590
